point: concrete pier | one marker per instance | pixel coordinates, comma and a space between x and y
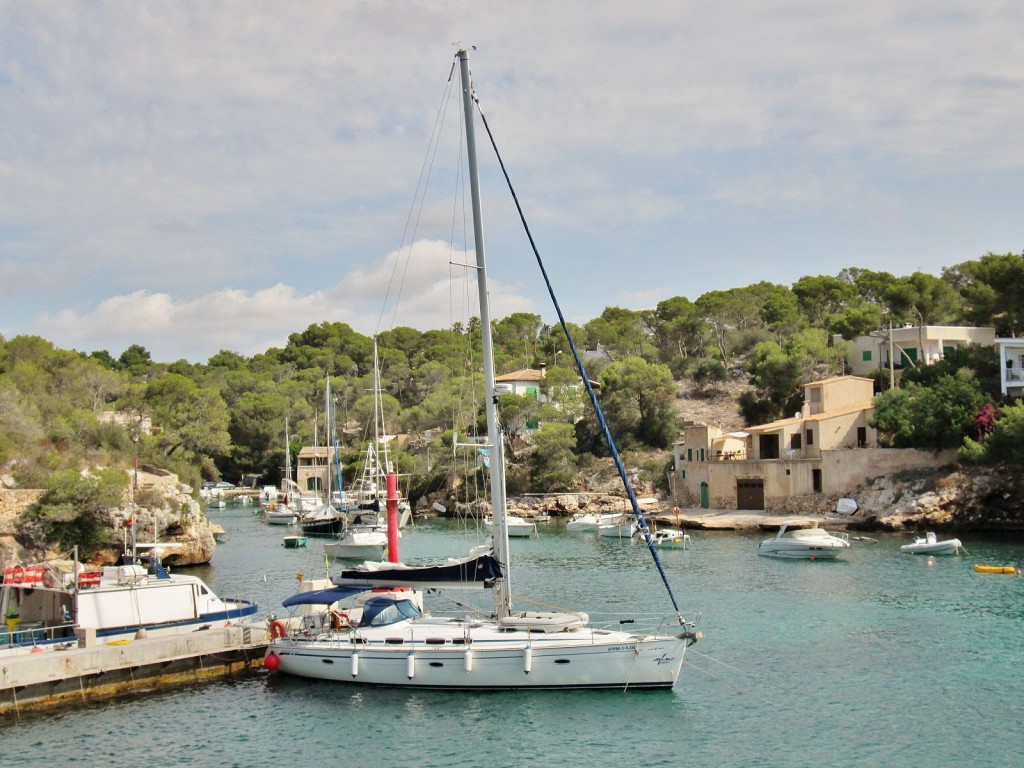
55, 678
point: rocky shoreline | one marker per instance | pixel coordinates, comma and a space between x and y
948, 499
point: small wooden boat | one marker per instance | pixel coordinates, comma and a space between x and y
930, 545
294, 542
995, 569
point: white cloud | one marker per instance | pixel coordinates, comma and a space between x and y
171, 161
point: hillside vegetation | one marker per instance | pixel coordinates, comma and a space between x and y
761, 343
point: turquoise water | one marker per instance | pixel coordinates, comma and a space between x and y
881, 659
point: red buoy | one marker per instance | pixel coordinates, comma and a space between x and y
272, 661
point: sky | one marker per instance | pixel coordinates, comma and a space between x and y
202, 176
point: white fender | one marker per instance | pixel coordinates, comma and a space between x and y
527, 659
410, 665
355, 663
469, 659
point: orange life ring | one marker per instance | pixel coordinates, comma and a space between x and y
278, 629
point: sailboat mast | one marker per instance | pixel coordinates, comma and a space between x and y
503, 588
378, 418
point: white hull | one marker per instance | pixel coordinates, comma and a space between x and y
581, 523
450, 654
803, 541
806, 552
670, 538
923, 547
281, 517
621, 531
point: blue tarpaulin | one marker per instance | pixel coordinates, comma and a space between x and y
322, 596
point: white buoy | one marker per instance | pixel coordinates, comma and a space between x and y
355, 663
469, 659
410, 665
527, 659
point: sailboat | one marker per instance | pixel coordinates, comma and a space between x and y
395, 643
325, 520
280, 511
366, 537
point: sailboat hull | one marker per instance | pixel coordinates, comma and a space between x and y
454, 656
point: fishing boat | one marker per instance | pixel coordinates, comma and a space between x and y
929, 544
279, 514
56, 602
397, 643
294, 542
622, 528
803, 540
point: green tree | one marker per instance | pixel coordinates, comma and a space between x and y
553, 459
932, 418
192, 419
1004, 444
992, 289
638, 399
74, 511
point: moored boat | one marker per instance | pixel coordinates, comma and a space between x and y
996, 569
396, 643
930, 545
803, 540
51, 603
671, 538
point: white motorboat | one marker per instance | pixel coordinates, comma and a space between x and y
805, 540
518, 527
120, 602
396, 643
930, 545
671, 538
582, 522
358, 543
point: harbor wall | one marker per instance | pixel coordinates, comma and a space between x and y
53, 679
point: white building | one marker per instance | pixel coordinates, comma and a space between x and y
1011, 366
912, 345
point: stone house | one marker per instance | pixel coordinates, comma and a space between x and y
820, 453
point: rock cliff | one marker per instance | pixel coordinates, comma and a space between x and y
160, 509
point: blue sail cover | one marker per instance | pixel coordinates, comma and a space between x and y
473, 572
322, 596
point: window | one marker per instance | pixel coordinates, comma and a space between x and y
816, 480
866, 356
810, 437
795, 441
862, 437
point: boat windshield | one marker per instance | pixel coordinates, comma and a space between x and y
381, 611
